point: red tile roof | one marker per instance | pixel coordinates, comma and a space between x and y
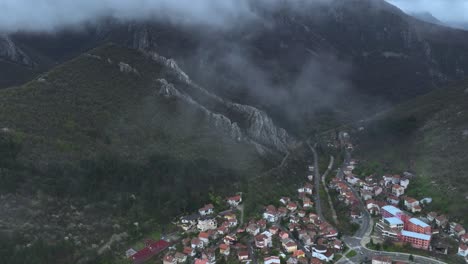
149, 251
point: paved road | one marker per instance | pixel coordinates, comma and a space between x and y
324, 176
318, 207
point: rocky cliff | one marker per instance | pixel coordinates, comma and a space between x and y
241, 122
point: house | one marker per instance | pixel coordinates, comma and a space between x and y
366, 195
457, 229
224, 249
416, 209
377, 190
232, 222
404, 183
464, 238
291, 206
301, 213
285, 200
299, 254
393, 200
204, 237
261, 241
463, 250
308, 188
441, 221
356, 214
381, 260
397, 190
283, 235
270, 214
396, 179
387, 179
210, 255
289, 245
373, 207
201, 261
234, 200
273, 230
272, 260
431, 216
189, 251
169, 259
180, 257
337, 245
243, 255
262, 223
282, 211
230, 239
315, 261
253, 229
206, 210
307, 203
197, 243
207, 223
410, 202
322, 253
130, 252
188, 221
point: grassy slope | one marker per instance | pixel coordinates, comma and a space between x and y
426, 135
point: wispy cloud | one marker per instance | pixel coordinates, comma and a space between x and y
451, 11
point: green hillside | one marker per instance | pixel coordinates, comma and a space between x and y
428, 135
89, 133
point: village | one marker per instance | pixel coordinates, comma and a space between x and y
292, 231
399, 219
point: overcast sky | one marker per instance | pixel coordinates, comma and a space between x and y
444, 10
49, 15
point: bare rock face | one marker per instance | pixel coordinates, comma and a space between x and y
260, 127
251, 124
219, 121
11, 52
124, 67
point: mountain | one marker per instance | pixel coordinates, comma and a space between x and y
291, 61
115, 136
427, 17
429, 136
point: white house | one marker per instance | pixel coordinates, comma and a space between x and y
234, 200
206, 210
205, 224
463, 250
272, 260
270, 214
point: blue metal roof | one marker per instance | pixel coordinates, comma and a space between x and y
392, 209
415, 235
418, 222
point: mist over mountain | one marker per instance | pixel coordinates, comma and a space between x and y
120, 112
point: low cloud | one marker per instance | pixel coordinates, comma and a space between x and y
450, 11
51, 15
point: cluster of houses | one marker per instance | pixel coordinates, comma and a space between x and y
383, 195
290, 231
